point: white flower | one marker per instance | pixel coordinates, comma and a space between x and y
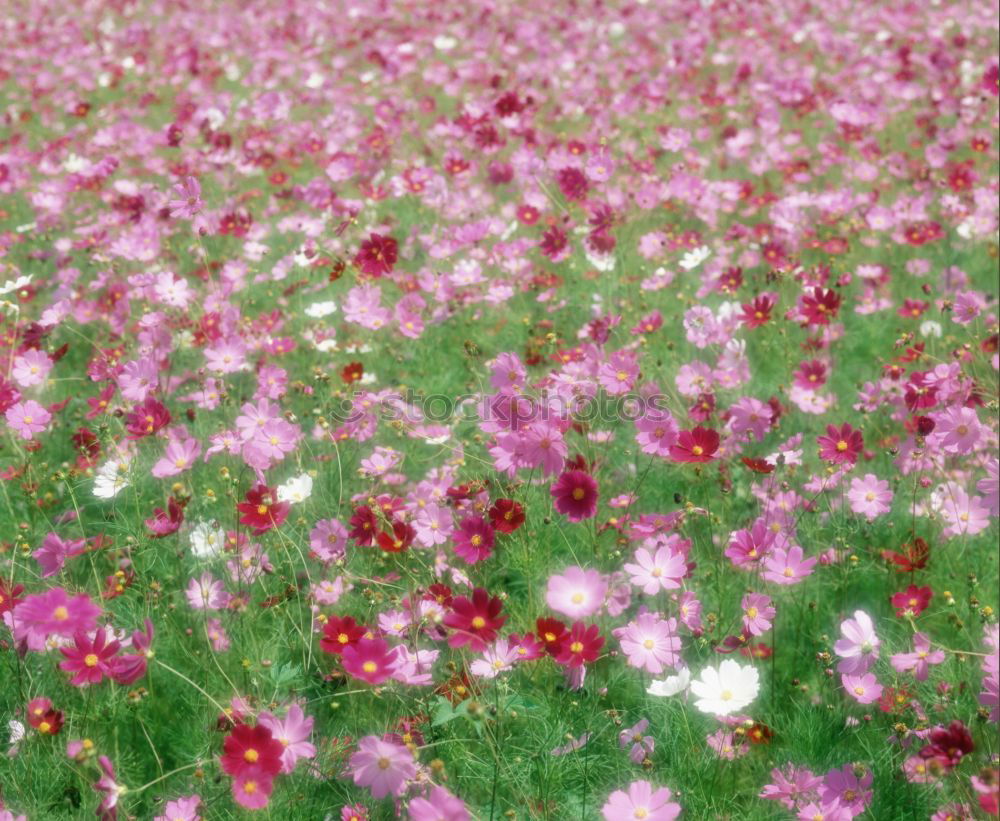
445, 43
692, 259
296, 489
112, 478
320, 309
16, 729
207, 540
930, 328
671, 685
15, 284
727, 689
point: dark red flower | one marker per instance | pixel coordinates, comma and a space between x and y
261, 510
552, 633
340, 633
698, 445
43, 717
554, 241
364, 525
506, 515
948, 744
914, 556
574, 494
9, 595
572, 183
757, 465
474, 621
377, 255
439, 593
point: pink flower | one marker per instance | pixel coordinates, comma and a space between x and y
543, 446
747, 547
187, 202
758, 613
28, 418
650, 643
53, 613
750, 415
292, 732
577, 593
618, 374
641, 800
787, 566
383, 766
964, 514
657, 432
252, 790
840, 446
956, 430
440, 805
858, 649
919, 660
181, 809
31, 368
217, 635
863, 688
107, 810
179, 456
206, 593
662, 570
870, 496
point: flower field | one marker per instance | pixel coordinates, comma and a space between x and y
499, 410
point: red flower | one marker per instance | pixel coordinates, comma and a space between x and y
698, 445
840, 446
820, 306
262, 510
506, 515
146, 418
949, 744
352, 372
251, 752
572, 183
552, 633
9, 595
439, 593
341, 633
914, 558
574, 494
758, 312
554, 241
581, 645
474, 621
400, 538
43, 718
757, 465
377, 256
912, 601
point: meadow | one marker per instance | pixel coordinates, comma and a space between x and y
496, 410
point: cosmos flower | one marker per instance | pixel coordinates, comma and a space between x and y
725, 689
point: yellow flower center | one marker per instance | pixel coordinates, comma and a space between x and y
478, 622
369, 667
251, 756
90, 660
60, 613
727, 695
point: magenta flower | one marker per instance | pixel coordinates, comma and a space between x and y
577, 593
54, 552
370, 660
474, 539
181, 809
292, 732
787, 567
382, 766
90, 659
574, 494
53, 613
919, 660
643, 801
747, 547
27, 418
642, 746
858, 649
107, 810
840, 446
